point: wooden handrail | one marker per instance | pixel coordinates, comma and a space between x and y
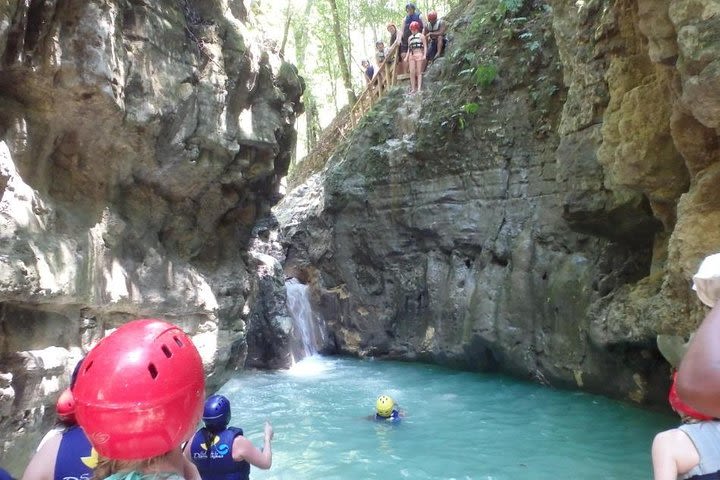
349, 118
377, 87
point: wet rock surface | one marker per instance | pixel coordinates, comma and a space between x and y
549, 230
139, 143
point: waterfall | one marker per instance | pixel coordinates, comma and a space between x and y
304, 327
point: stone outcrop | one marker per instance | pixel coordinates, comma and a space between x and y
139, 143
546, 225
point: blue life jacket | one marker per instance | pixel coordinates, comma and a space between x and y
76, 457
370, 72
394, 417
215, 461
415, 17
4, 475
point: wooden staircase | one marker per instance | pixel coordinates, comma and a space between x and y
348, 119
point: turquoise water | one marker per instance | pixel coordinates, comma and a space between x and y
459, 425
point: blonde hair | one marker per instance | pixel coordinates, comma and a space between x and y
107, 466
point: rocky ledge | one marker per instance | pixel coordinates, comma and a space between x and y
539, 209
139, 143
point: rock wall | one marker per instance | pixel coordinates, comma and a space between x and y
139, 143
545, 225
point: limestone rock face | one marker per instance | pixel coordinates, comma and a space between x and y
139, 143
549, 231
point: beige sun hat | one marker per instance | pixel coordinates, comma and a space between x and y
706, 282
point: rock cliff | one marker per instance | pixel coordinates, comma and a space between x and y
540, 208
139, 142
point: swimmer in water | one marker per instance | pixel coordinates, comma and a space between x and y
386, 410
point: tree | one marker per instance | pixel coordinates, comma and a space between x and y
286, 30
344, 68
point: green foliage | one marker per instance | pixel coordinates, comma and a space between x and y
505, 8
471, 108
512, 6
484, 75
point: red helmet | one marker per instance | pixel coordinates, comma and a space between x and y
415, 26
139, 392
681, 407
65, 406
432, 16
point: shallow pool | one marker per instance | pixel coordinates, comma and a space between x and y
459, 425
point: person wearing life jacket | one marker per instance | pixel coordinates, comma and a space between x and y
435, 33
65, 452
417, 51
138, 396
385, 410
380, 53
412, 16
222, 453
368, 71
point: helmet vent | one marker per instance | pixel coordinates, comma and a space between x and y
89, 365
178, 341
166, 351
153, 371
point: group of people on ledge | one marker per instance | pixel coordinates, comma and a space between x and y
131, 412
421, 41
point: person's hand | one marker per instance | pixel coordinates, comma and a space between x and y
268, 431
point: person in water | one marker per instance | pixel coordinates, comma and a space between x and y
138, 396
222, 453
386, 410
65, 451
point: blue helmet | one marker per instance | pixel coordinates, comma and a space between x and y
216, 413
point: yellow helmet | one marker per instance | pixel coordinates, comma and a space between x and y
384, 406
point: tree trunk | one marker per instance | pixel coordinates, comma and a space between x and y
344, 69
288, 18
312, 123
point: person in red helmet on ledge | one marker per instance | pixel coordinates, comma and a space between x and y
139, 394
65, 451
435, 33
417, 51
